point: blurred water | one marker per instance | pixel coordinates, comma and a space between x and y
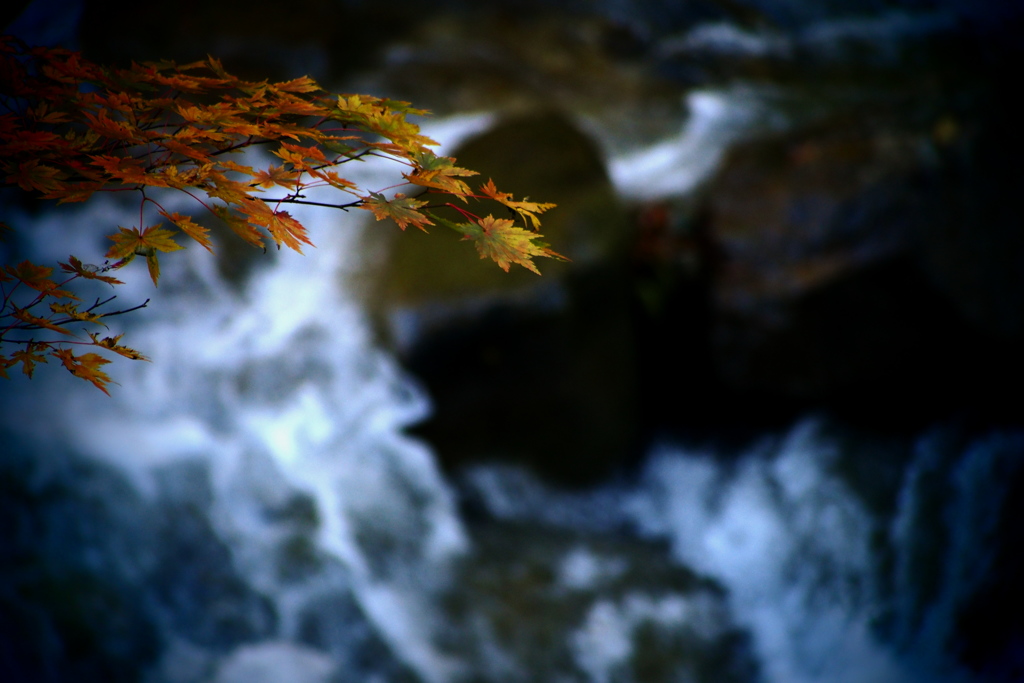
253, 492
831, 587
277, 393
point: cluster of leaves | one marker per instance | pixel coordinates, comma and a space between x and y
70, 128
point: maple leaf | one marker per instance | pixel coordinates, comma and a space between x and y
33, 175
87, 367
88, 271
239, 225
227, 190
71, 311
276, 175
303, 84
401, 209
109, 128
297, 155
333, 179
439, 172
43, 114
499, 240
130, 243
190, 228
186, 147
28, 357
110, 343
30, 141
354, 104
35, 321
128, 171
528, 210
283, 228
38, 278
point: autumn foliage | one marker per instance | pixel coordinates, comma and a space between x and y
70, 128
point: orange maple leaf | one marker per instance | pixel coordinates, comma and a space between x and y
401, 209
190, 228
127, 170
276, 175
239, 225
303, 84
282, 227
72, 312
129, 242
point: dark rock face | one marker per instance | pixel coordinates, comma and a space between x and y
555, 389
866, 260
540, 370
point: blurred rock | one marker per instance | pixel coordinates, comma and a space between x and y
536, 369
866, 255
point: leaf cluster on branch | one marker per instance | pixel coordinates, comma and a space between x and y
70, 128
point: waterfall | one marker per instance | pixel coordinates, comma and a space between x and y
249, 507
832, 586
275, 391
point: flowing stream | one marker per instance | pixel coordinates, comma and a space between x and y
247, 507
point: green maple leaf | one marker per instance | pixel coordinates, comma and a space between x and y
501, 241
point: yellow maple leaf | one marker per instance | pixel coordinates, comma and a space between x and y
439, 173
28, 358
87, 366
110, 343
528, 210
131, 243
37, 322
502, 242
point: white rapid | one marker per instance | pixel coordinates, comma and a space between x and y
278, 390
830, 587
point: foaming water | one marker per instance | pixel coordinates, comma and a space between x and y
270, 413
277, 391
831, 584
677, 166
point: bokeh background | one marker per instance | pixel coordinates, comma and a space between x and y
765, 425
